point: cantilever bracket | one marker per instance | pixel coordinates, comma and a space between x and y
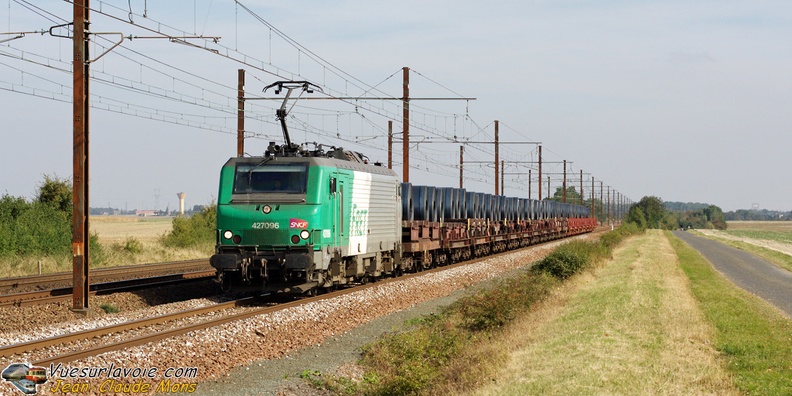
109, 49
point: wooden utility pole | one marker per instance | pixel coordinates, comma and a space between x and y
593, 194
564, 185
496, 158
80, 208
609, 202
390, 144
503, 172
581, 187
548, 187
240, 112
539, 179
529, 183
461, 162
406, 124
602, 200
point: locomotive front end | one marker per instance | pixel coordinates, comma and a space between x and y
270, 229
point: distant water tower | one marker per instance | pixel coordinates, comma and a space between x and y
181, 196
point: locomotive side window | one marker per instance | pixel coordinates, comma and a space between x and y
281, 178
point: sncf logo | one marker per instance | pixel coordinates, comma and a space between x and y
297, 223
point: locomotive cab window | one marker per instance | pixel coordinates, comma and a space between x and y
277, 179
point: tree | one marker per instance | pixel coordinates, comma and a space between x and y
572, 195
56, 192
636, 216
653, 210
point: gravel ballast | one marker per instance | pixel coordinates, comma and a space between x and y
264, 354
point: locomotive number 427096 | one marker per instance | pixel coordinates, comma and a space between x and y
265, 225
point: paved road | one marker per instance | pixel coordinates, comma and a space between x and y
750, 272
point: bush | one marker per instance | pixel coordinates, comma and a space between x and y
132, 246
495, 307
567, 260
33, 228
193, 231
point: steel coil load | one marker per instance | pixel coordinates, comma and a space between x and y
495, 208
515, 208
461, 203
408, 210
484, 205
449, 203
421, 202
438, 209
521, 202
529, 210
471, 204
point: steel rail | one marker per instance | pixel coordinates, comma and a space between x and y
29, 346
16, 282
64, 293
160, 335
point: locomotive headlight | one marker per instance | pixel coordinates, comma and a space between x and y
304, 234
228, 234
266, 209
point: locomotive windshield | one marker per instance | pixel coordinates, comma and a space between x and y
281, 178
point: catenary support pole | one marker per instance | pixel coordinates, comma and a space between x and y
406, 124
496, 157
240, 112
539, 178
390, 144
80, 180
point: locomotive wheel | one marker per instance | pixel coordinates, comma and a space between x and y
225, 282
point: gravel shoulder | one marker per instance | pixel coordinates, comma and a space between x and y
337, 354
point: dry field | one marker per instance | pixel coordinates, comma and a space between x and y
780, 226
116, 229
773, 235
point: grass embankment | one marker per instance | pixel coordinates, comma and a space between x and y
656, 319
754, 338
631, 327
460, 348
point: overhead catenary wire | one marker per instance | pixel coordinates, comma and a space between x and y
429, 121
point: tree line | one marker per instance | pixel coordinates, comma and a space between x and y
651, 212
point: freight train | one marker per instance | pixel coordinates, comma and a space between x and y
299, 220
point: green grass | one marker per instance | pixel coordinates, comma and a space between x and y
778, 236
109, 308
754, 338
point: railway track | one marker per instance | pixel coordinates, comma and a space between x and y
45, 281
163, 331
64, 293
159, 321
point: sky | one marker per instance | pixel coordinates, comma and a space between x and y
686, 101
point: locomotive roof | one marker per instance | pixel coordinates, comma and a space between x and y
315, 161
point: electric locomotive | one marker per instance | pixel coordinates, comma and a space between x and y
297, 220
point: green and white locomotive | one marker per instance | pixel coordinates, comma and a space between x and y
298, 219
301, 222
